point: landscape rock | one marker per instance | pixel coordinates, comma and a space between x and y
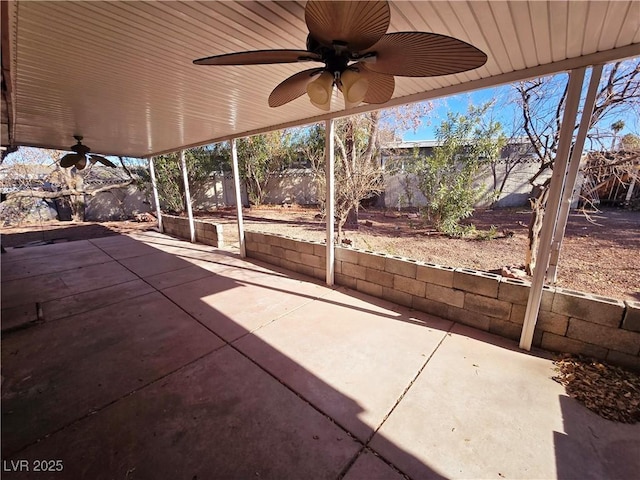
24, 210
513, 272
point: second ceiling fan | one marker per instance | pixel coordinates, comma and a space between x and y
82, 156
359, 57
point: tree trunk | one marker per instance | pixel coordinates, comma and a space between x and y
352, 218
77, 208
497, 192
538, 204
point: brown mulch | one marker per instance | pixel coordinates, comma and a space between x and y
611, 392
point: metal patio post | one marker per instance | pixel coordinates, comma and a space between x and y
329, 170
572, 174
236, 184
156, 197
187, 195
576, 78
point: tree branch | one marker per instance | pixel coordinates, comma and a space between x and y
66, 192
124, 167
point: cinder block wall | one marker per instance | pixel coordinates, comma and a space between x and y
307, 258
568, 321
206, 232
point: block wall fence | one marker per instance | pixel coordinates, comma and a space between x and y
569, 321
206, 232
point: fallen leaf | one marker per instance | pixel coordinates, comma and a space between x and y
611, 392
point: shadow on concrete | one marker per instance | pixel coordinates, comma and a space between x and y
612, 455
135, 387
47, 234
163, 359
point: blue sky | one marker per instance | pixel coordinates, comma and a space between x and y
460, 103
505, 111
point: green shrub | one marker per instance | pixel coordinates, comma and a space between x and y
446, 178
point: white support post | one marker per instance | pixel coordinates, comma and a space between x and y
572, 174
187, 197
576, 78
330, 206
156, 197
236, 184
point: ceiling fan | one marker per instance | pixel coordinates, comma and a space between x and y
81, 156
359, 57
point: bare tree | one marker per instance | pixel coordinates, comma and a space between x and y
359, 173
616, 127
72, 189
356, 175
542, 102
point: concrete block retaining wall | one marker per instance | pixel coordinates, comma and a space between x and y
206, 232
307, 258
569, 321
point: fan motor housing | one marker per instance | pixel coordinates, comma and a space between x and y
80, 149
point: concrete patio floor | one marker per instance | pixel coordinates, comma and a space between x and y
154, 358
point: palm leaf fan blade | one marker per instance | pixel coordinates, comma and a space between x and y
69, 160
421, 54
381, 86
293, 87
357, 24
260, 57
103, 160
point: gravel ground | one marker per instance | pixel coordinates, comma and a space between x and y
600, 253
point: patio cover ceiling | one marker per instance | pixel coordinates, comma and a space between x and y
120, 73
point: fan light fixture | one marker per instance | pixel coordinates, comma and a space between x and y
320, 91
352, 85
359, 57
354, 88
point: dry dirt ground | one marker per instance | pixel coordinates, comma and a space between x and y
600, 254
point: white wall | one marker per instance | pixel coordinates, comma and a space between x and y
116, 204
298, 188
218, 192
516, 191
